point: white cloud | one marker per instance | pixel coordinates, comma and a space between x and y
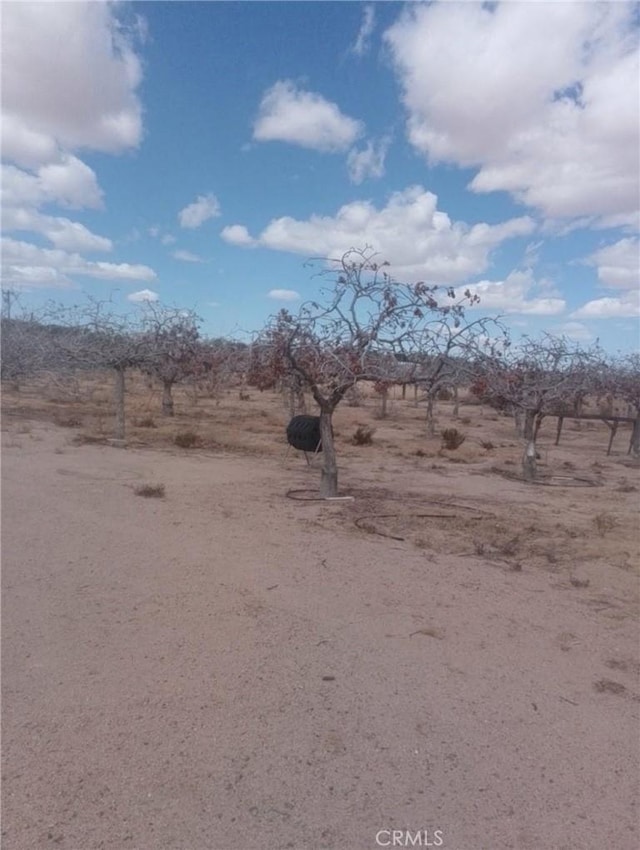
237, 234
143, 296
518, 293
70, 74
576, 331
420, 241
368, 162
626, 306
284, 295
618, 264
289, 114
20, 259
168, 239
69, 183
542, 97
201, 210
69, 80
187, 256
361, 45
61, 232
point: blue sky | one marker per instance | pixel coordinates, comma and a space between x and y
199, 153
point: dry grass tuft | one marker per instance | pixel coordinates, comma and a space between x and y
186, 439
452, 439
604, 523
363, 435
69, 421
145, 422
150, 491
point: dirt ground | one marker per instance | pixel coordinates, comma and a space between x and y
451, 654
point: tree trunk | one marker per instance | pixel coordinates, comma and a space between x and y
118, 398
329, 477
518, 421
456, 403
529, 461
635, 437
529, 430
167, 398
431, 426
384, 396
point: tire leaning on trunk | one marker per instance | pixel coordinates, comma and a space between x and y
303, 433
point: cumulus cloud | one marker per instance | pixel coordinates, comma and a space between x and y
290, 114
69, 79
560, 135
237, 234
201, 210
68, 183
368, 162
618, 264
284, 295
625, 306
362, 42
575, 330
518, 293
21, 259
70, 74
421, 241
186, 256
143, 296
61, 232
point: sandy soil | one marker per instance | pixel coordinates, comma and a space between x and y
231, 669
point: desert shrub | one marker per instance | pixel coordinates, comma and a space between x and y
150, 491
452, 438
444, 394
186, 439
487, 444
363, 435
145, 422
465, 420
509, 547
604, 523
69, 421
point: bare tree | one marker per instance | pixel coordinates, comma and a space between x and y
536, 378
364, 320
623, 379
92, 336
173, 338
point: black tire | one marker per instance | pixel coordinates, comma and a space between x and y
303, 433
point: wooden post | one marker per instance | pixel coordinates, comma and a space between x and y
559, 429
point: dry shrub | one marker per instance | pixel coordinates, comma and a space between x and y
509, 547
150, 491
69, 421
604, 523
89, 439
186, 439
487, 444
452, 438
145, 422
363, 435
